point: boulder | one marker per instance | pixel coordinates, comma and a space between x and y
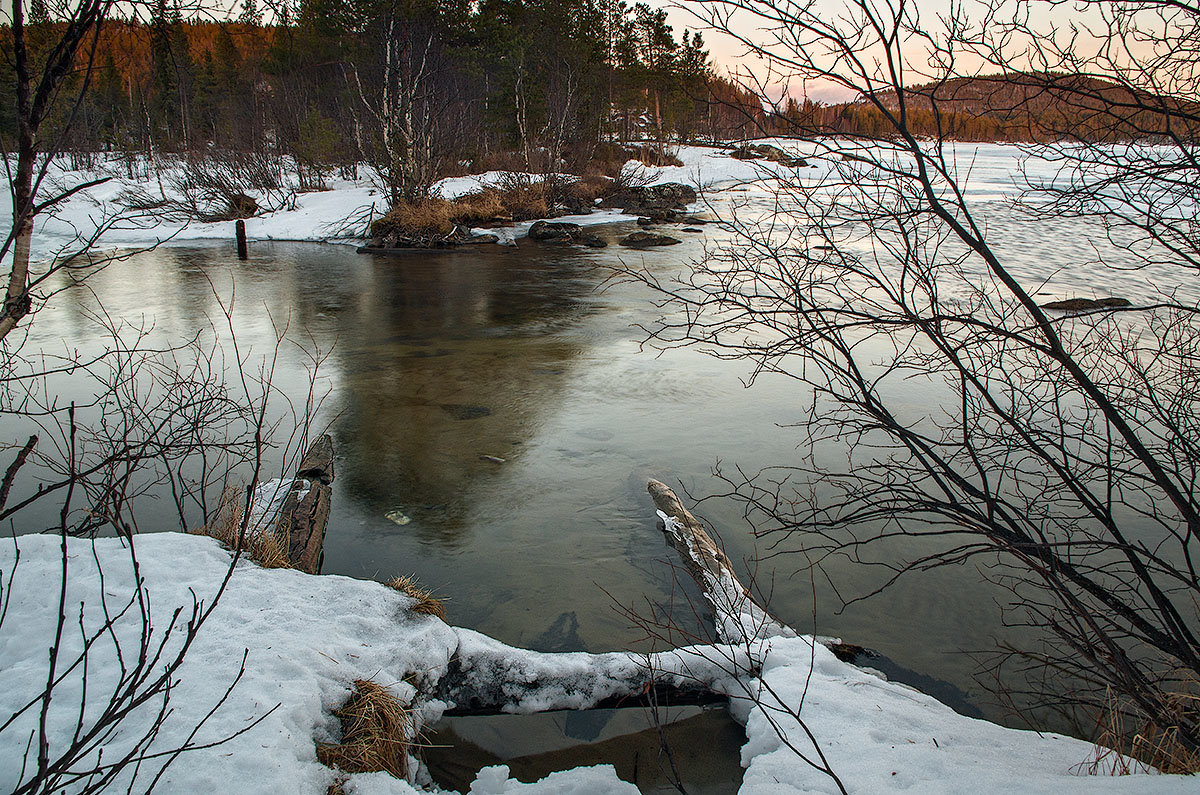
767, 152
242, 206
647, 239
563, 233
656, 202
555, 232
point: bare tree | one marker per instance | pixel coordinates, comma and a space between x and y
1055, 450
178, 421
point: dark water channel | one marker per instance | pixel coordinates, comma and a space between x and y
495, 424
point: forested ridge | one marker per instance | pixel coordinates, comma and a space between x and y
1008, 106
417, 88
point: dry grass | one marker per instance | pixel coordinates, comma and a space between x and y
427, 604
435, 216
376, 730
427, 217
1121, 752
590, 187
266, 548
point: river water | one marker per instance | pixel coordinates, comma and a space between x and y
496, 419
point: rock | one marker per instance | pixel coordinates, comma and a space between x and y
647, 239
1087, 304
692, 229
554, 232
767, 152
398, 517
644, 221
242, 206
654, 201
484, 239
564, 233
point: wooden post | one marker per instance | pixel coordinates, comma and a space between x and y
305, 511
240, 228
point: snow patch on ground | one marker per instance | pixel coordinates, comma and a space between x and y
342, 213
307, 638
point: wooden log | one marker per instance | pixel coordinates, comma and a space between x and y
487, 677
739, 619
300, 527
662, 694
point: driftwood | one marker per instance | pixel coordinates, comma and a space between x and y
300, 527
738, 617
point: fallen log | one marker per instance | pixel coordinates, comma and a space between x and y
300, 526
739, 618
487, 677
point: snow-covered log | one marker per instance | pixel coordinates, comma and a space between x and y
487, 677
738, 617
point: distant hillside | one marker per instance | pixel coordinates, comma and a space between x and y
1016, 107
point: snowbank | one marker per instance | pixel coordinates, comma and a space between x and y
340, 214
307, 638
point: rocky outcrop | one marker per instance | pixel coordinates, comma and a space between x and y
767, 152
656, 203
563, 233
647, 240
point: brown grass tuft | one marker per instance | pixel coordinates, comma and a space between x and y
1121, 752
376, 731
261, 545
426, 217
427, 604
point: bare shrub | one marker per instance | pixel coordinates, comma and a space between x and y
214, 187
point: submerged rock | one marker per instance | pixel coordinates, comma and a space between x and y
1086, 304
647, 239
398, 517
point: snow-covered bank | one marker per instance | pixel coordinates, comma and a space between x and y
307, 638
341, 213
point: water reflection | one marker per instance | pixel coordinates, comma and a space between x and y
454, 362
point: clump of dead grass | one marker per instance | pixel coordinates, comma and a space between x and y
263, 545
436, 216
376, 732
1120, 751
426, 603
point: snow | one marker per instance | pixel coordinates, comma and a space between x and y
307, 638
341, 213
